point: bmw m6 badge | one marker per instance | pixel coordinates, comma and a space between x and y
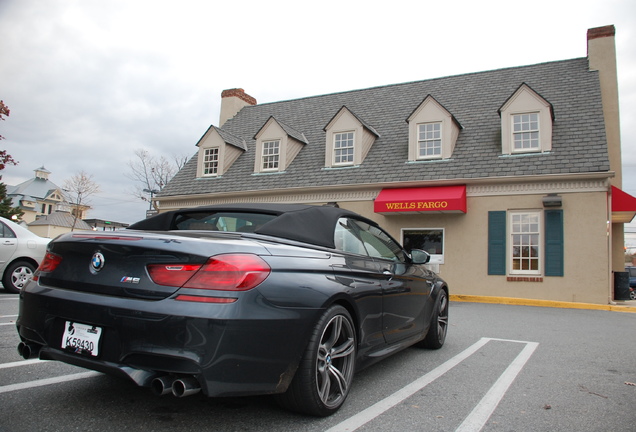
97, 262
130, 279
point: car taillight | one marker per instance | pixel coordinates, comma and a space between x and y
172, 274
48, 264
226, 272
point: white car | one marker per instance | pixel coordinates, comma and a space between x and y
21, 252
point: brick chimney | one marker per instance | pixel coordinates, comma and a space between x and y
601, 55
232, 101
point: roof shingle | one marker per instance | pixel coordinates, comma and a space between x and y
579, 143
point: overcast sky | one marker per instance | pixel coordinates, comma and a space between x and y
88, 82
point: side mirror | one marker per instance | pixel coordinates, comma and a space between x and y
418, 256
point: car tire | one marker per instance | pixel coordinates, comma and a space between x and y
17, 275
325, 372
436, 335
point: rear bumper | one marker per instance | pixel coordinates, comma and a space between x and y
244, 348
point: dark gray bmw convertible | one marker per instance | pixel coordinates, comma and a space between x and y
231, 300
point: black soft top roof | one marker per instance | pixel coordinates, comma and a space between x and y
301, 222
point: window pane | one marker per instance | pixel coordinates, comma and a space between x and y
270, 156
429, 141
525, 242
343, 148
525, 131
210, 161
429, 240
377, 243
345, 238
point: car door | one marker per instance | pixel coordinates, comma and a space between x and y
360, 273
8, 244
406, 287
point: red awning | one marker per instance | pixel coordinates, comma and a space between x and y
623, 206
442, 199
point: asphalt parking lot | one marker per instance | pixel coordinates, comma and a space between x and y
503, 368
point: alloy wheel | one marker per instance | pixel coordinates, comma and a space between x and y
335, 361
442, 318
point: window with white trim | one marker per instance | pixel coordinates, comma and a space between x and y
526, 123
433, 132
525, 132
270, 155
211, 161
525, 242
429, 140
430, 240
343, 148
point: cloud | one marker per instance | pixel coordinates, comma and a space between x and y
90, 82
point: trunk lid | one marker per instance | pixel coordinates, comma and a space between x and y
115, 264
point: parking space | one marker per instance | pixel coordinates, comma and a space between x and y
503, 368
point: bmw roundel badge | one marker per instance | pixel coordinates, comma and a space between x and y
97, 262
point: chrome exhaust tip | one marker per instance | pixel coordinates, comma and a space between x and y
185, 386
162, 385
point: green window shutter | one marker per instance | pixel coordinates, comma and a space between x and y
554, 242
497, 243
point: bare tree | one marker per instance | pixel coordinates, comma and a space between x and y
152, 174
180, 160
79, 188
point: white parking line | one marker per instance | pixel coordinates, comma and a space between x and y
47, 381
19, 363
485, 406
484, 409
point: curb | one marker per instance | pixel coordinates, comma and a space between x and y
541, 303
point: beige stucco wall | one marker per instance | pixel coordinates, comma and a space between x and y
587, 275
586, 278
601, 52
28, 216
50, 231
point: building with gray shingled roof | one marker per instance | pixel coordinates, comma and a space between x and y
47, 210
505, 176
56, 223
39, 196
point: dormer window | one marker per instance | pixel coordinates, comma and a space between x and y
218, 150
277, 144
433, 131
526, 123
348, 139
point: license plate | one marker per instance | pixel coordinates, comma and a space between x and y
81, 338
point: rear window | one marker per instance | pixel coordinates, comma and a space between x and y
632, 271
221, 221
